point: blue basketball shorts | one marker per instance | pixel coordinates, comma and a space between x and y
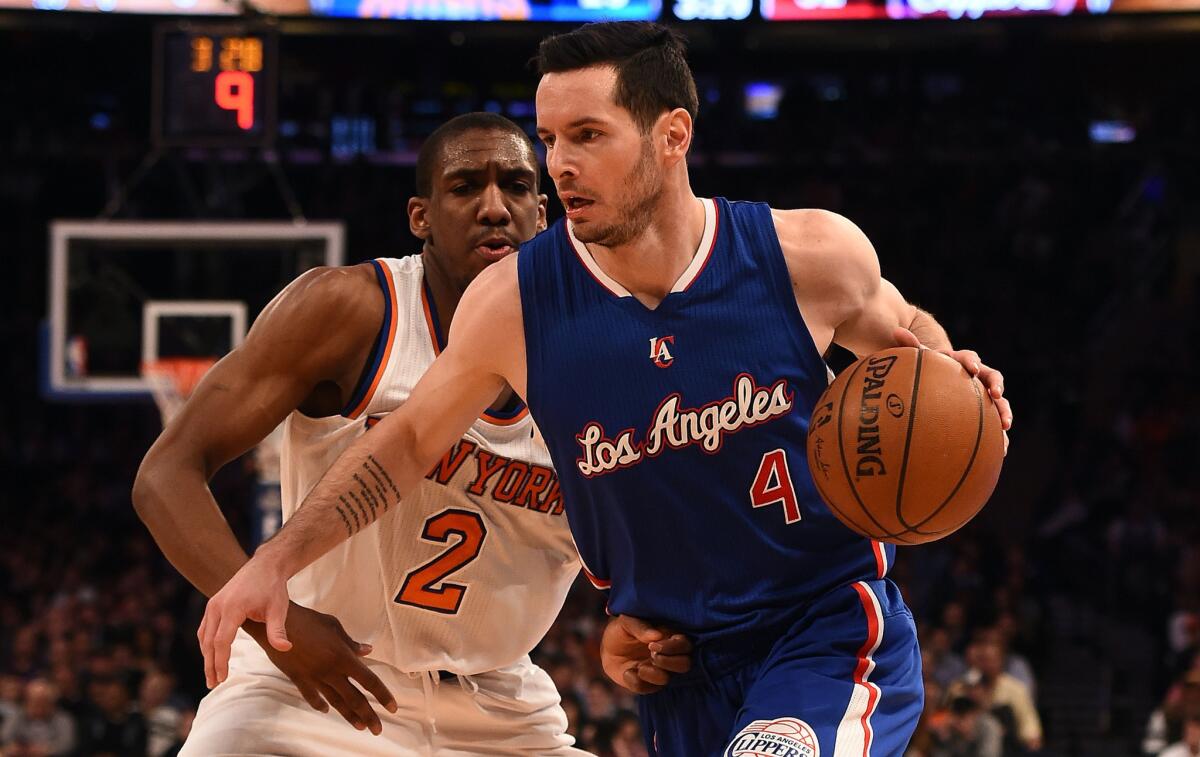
843, 681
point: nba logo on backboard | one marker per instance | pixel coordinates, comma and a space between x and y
659, 352
76, 357
782, 737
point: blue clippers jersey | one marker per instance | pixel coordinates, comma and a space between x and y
675, 431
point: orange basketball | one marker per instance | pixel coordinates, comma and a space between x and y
905, 446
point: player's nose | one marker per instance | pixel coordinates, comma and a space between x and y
559, 163
493, 210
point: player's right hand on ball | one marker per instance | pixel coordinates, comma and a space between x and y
641, 657
322, 661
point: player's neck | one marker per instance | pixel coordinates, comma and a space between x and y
649, 265
444, 291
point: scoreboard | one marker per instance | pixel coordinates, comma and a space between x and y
215, 85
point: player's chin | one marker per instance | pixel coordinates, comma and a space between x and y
592, 231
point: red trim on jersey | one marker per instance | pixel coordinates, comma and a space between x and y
387, 350
866, 663
712, 246
574, 244
880, 558
602, 585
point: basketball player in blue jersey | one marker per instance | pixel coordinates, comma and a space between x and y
670, 348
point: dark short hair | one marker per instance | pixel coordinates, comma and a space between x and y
431, 149
653, 75
961, 705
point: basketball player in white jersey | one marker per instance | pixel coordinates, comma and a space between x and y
442, 603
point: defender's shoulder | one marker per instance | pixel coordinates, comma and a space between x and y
330, 299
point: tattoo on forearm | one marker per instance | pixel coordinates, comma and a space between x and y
368, 496
361, 508
349, 509
345, 520
372, 493
375, 469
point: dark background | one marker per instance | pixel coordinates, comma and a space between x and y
962, 150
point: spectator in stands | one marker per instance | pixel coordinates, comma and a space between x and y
627, 736
40, 728
113, 727
161, 715
574, 711
11, 689
1001, 694
941, 662
1166, 724
1189, 745
933, 720
600, 703
1015, 664
968, 731
181, 733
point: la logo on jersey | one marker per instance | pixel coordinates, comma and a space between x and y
659, 352
782, 737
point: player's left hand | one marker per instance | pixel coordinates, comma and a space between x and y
641, 657
992, 379
256, 592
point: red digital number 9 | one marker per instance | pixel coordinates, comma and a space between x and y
235, 91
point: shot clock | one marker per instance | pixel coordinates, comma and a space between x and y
215, 85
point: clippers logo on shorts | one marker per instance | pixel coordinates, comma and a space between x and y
659, 352
782, 737
676, 427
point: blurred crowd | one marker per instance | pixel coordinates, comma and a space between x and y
1064, 621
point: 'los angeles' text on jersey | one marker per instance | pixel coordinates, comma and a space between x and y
676, 427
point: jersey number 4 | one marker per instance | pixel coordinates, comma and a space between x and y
420, 586
773, 483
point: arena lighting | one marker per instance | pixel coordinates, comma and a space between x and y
1111, 132
957, 9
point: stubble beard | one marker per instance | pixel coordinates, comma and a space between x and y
643, 188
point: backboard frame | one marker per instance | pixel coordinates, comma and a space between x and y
58, 385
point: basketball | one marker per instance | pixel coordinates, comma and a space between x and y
905, 446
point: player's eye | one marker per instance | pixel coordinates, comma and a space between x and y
460, 189
521, 187
589, 135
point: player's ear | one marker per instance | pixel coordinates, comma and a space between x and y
418, 217
541, 221
678, 133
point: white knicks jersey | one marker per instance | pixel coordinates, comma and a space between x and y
469, 571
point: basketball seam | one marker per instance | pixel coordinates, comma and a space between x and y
846, 469
912, 417
966, 471
825, 496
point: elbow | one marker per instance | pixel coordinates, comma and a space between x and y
144, 497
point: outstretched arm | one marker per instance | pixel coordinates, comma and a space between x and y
486, 350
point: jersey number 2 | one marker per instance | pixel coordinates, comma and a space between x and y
773, 483
419, 588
